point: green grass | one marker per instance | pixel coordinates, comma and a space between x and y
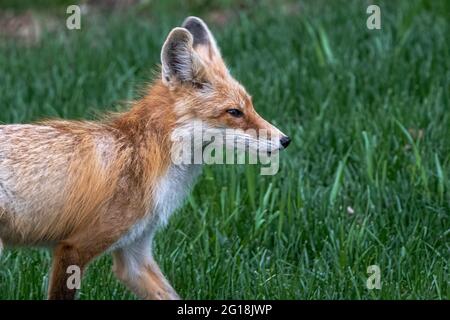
369, 115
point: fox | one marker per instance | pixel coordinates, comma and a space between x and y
84, 188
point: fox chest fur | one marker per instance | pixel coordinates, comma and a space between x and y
170, 193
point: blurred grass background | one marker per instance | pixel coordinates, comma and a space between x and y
365, 180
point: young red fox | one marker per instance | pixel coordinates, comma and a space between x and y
83, 188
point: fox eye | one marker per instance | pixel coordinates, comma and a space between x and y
235, 112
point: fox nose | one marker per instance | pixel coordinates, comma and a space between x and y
285, 141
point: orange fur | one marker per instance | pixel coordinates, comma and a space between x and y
84, 187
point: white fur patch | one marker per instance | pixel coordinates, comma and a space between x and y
170, 193
173, 189
105, 149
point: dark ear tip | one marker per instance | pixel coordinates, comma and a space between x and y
193, 21
198, 29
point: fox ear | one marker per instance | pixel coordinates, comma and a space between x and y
204, 42
179, 61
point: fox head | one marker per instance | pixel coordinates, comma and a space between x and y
207, 94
